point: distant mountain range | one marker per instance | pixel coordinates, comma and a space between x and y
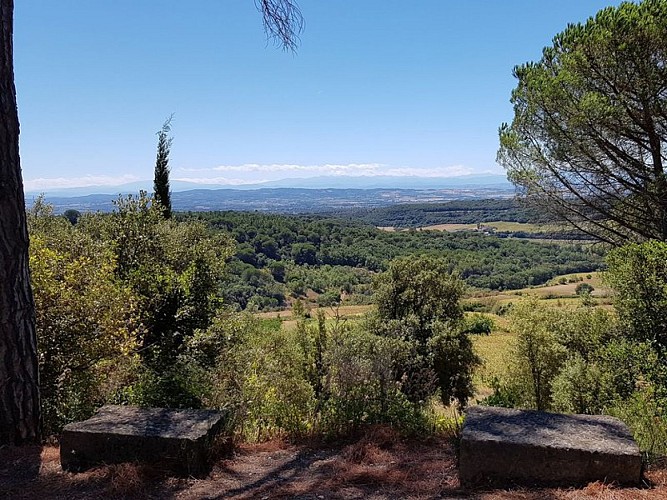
393, 182
488, 181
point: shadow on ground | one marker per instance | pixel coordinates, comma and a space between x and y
377, 465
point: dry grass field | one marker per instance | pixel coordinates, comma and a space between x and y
501, 226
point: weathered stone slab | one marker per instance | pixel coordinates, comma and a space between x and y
505, 446
175, 440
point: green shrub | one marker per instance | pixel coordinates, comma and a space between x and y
360, 386
86, 320
502, 309
259, 376
478, 324
578, 388
644, 413
584, 288
537, 355
638, 275
572, 360
478, 306
505, 394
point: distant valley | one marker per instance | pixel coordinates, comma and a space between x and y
284, 200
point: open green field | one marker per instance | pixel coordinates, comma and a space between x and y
494, 351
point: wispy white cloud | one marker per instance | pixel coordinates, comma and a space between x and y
250, 172
43, 183
326, 169
225, 181
451, 171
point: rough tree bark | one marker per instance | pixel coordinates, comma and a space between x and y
19, 383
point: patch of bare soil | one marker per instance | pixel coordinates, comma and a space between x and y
377, 465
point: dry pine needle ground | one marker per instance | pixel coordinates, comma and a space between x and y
376, 465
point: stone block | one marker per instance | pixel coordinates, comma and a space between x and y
178, 441
501, 446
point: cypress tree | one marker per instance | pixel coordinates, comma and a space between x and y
161, 177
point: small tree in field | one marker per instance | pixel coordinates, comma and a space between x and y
584, 289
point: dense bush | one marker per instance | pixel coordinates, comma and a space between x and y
117, 298
418, 302
86, 319
584, 288
572, 360
479, 324
321, 378
638, 275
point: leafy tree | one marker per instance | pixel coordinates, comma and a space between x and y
638, 275
161, 176
423, 288
72, 215
175, 269
304, 253
590, 123
539, 355
19, 398
418, 301
278, 270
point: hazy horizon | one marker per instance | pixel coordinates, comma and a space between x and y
317, 182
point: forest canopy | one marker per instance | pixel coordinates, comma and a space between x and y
278, 256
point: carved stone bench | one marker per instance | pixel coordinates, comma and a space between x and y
175, 440
506, 446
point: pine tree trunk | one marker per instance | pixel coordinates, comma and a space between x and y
19, 384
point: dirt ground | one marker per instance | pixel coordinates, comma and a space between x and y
378, 465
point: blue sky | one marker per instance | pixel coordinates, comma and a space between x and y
377, 87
